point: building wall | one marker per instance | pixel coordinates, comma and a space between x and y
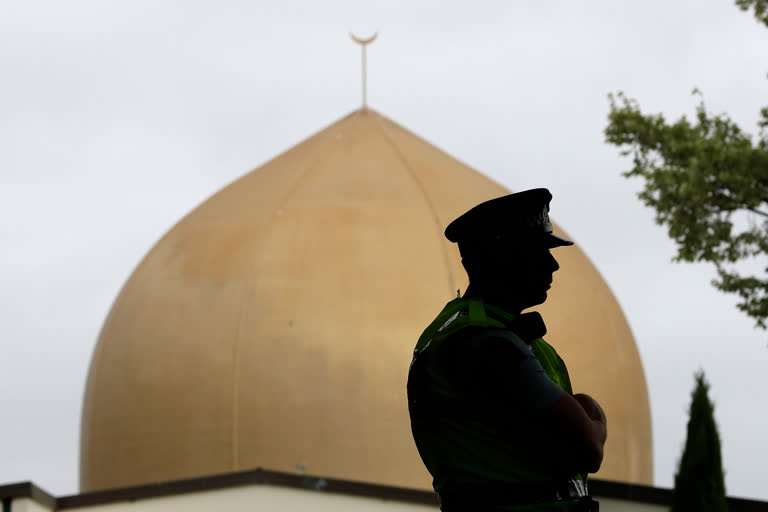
245, 499
267, 497
27, 505
614, 505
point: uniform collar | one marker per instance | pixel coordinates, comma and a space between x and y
527, 326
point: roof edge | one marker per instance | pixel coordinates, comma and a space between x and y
248, 477
601, 488
27, 490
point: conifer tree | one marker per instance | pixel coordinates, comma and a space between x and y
699, 484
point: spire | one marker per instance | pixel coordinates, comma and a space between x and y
363, 43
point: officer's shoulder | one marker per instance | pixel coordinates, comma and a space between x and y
503, 340
475, 340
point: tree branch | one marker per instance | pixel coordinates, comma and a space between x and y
755, 210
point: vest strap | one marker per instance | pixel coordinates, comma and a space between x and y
477, 314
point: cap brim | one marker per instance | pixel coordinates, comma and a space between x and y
554, 240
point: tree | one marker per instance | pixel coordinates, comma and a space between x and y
760, 8
708, 182
699, 481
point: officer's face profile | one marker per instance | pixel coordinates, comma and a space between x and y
529, 275
513, 274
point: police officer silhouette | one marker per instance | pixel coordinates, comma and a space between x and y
492, 411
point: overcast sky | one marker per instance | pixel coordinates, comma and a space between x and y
116, 119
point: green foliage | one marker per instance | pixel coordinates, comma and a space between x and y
760, 8
698, 176
708, 182
699, 483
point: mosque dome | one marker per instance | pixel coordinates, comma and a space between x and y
273, 325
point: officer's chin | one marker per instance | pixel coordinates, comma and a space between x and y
537, 299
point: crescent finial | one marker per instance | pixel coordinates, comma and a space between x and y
363, 41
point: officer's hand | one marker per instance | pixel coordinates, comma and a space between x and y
591, 407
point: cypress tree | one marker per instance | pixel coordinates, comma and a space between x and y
699, 484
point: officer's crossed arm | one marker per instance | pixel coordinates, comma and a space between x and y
575, 426
579, 425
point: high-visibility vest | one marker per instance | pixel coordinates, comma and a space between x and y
436, 405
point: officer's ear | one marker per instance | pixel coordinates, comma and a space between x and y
481, 268
487, 258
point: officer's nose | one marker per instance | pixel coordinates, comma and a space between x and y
554, 265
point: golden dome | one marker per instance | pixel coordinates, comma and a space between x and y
273, 325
